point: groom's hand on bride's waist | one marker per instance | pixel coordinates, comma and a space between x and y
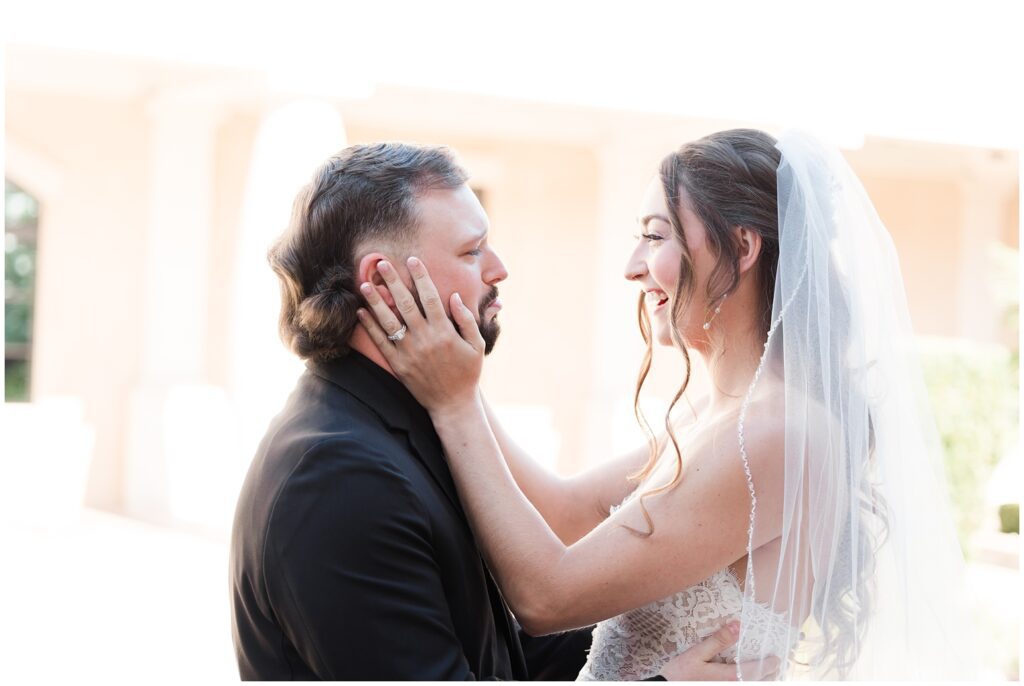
695, 664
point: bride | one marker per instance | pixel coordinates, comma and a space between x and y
805, 497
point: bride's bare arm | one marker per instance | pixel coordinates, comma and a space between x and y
700, 528
574, 505
701, 523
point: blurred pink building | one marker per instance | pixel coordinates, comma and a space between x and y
154, 355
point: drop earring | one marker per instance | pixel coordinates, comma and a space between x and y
718, 309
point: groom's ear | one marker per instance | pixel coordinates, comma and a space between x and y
367, 272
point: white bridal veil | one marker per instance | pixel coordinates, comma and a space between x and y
868, 570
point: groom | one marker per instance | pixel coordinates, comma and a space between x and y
351, 557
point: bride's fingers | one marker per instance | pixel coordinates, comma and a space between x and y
385, 317
468, 327
426, 290
377, 334
404, 300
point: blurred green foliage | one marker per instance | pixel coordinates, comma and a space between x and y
20, 208
973, 389
973, 392
15, 381
1009, 518
21, 218
17, 322
19, 264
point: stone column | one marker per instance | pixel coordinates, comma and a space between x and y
293, 140
181, 154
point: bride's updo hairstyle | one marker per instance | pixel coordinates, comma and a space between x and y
729, 180
364, 194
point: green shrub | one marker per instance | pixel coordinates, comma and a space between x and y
1009, 518
973, 391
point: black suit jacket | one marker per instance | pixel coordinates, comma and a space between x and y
351, 557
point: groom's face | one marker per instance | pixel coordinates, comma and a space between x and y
453, 244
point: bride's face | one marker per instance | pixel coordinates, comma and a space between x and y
656, 265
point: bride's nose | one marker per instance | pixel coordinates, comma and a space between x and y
636, 266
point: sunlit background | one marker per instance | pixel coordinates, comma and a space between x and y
152, 155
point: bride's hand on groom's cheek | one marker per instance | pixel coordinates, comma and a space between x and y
695, 664
439, 366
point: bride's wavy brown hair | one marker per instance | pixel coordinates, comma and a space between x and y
729, 180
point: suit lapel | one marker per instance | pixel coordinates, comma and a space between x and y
427, 447
397, 408
507, 625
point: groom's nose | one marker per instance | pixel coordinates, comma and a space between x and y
494, 269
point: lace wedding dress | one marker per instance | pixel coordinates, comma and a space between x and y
866, 502
637, 644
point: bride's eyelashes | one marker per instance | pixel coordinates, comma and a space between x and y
649, 237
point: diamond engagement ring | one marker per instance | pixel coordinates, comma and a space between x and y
398, 335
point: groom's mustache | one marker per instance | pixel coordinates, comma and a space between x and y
486, 301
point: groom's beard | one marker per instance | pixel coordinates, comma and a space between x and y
489, 330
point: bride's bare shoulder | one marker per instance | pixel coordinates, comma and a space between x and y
773, 413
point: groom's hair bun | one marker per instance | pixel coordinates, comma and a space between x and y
362, 199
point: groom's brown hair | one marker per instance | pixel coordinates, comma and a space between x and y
364, 193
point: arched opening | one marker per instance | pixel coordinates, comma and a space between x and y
21, 225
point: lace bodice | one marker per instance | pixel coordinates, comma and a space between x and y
636, 645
